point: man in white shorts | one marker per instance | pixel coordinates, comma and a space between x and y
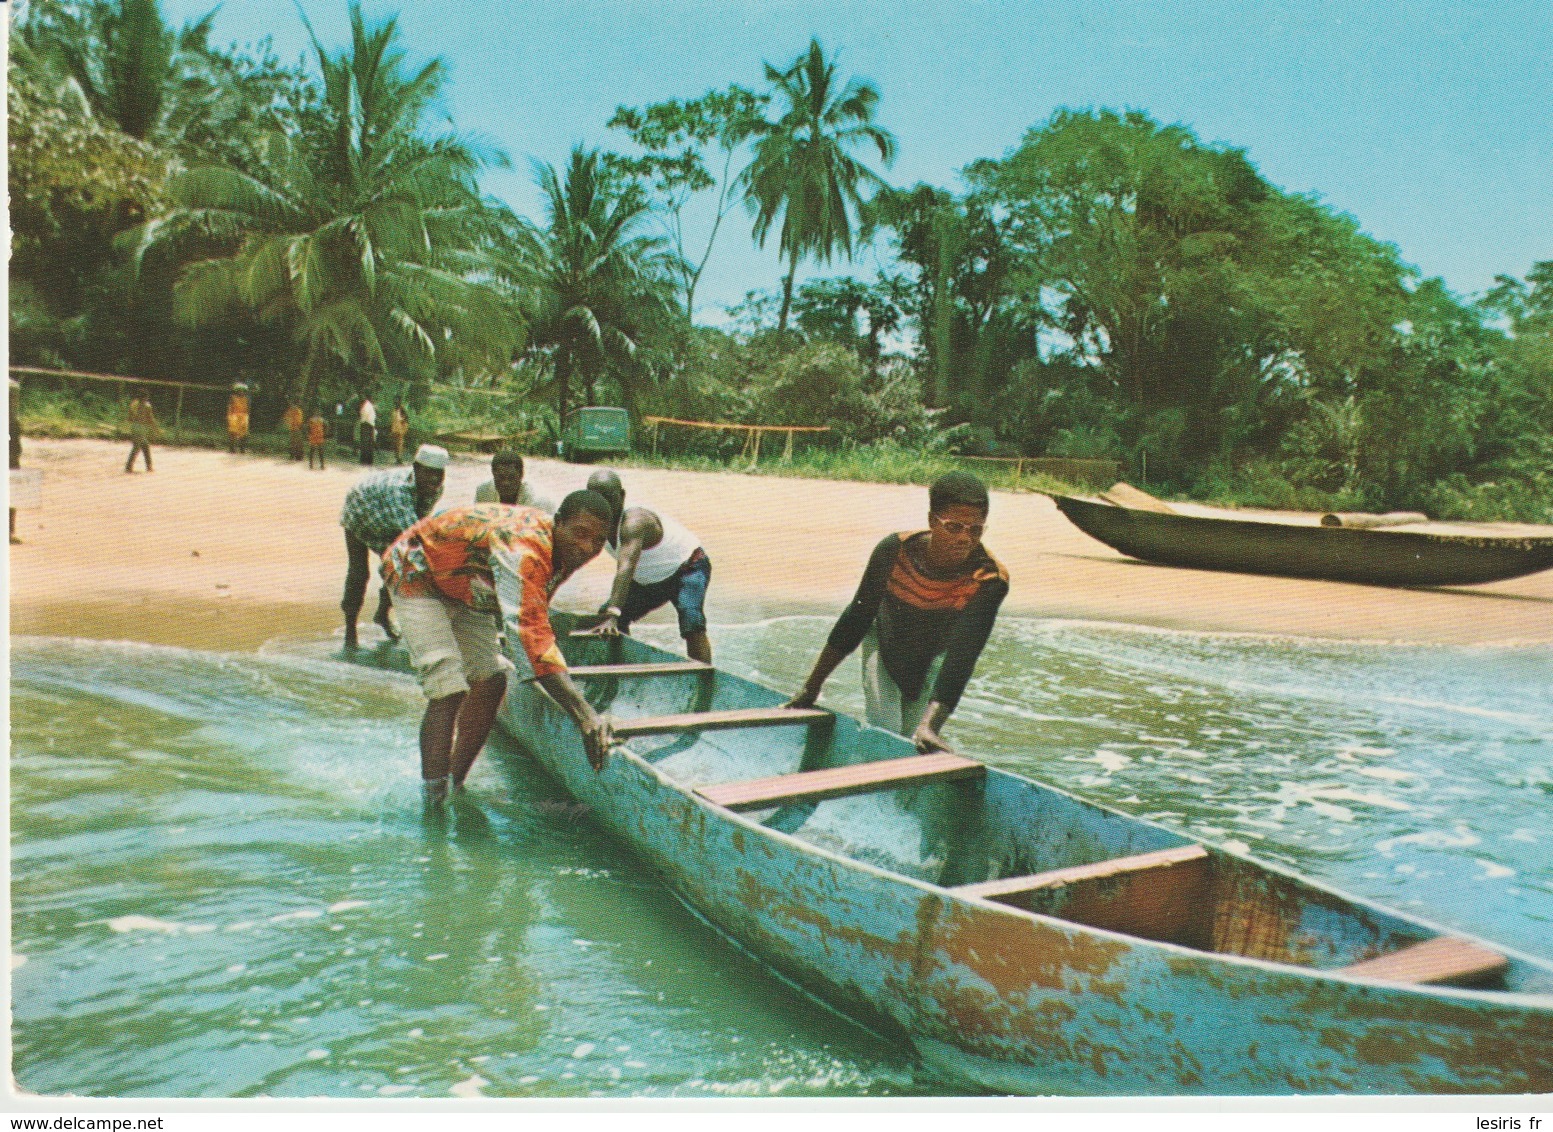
452, 575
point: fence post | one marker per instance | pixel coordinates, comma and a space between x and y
178, 416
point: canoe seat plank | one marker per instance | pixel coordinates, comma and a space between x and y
1075, 874
1443, 959
717, 720
840, 781
666, 668
1163, 895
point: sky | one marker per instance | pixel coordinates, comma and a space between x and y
1429, 121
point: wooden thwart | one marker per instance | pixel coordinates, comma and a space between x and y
716, 720
837, 782
1055, 878
666, 668
1443, 959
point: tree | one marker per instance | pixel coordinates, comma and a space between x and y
364, 237
679, 138
973, 328
597, 281
803, 174
1201, 292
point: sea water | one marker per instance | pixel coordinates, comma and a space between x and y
223, 884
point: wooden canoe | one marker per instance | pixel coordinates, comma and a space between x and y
1019, 938
1300, 546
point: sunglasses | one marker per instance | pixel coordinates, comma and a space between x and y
975, 530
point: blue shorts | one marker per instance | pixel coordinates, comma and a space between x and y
686, 589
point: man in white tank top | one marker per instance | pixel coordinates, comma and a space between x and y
656, 561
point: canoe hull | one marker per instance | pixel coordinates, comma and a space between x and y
1376, 557
1025, 1004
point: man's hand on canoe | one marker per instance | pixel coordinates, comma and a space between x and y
597, 739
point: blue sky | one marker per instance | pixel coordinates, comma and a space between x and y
1430, 122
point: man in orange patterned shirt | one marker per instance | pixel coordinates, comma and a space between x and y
452, 575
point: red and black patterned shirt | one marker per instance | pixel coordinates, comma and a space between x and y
918, 616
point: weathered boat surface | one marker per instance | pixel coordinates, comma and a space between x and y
1419, 554
1222, 978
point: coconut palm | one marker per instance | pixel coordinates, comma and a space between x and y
598, 282
364, 237
803, 172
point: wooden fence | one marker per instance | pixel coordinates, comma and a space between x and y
753, 433
1090, 473
124, 383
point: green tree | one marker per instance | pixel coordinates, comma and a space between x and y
598, 283
682, 143
973, 327
364, 237
804, 175
1203, 294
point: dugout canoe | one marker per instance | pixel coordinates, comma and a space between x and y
1419, 553
1021, 939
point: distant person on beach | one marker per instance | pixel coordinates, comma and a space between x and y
317, 433
450, 573
399, 430
656, 561
237, 419
295, 429
142, 430
16, 442
366, 432
922, 613
507, 484
378, 509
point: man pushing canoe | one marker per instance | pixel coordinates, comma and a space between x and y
922, 613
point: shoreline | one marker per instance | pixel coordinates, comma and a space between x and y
227, 552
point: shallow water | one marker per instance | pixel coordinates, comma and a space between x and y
222, 883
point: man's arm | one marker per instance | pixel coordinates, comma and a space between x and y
596, 739
966, 641
852, 625
639, 529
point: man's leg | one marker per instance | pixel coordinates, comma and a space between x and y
475, 719
882, 706
381, 616
690, 603
486, 668
428, 624
356, 576
437, 736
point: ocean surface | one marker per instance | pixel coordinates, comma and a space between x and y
223, 884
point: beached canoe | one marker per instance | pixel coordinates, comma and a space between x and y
1418, 553
1021, 939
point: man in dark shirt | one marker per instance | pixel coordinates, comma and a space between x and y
922, 613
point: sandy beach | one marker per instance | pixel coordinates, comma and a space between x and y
221, 551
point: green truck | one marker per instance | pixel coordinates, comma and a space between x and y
594, 432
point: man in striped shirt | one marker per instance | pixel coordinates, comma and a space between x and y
922, 613
452, 576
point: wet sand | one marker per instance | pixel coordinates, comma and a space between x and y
219, 551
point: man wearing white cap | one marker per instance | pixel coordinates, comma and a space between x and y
380, 508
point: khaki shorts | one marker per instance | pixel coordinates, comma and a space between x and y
451, 645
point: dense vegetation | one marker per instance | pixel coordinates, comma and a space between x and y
1110, 287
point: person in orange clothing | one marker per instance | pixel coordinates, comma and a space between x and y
292, 419
237, 419
317, 430
399, 430
142, 430
448, 574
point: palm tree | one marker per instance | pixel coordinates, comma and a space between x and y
803, 171
598, 282
368, 240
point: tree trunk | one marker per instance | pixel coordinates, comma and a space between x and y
563, 376
787, 293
